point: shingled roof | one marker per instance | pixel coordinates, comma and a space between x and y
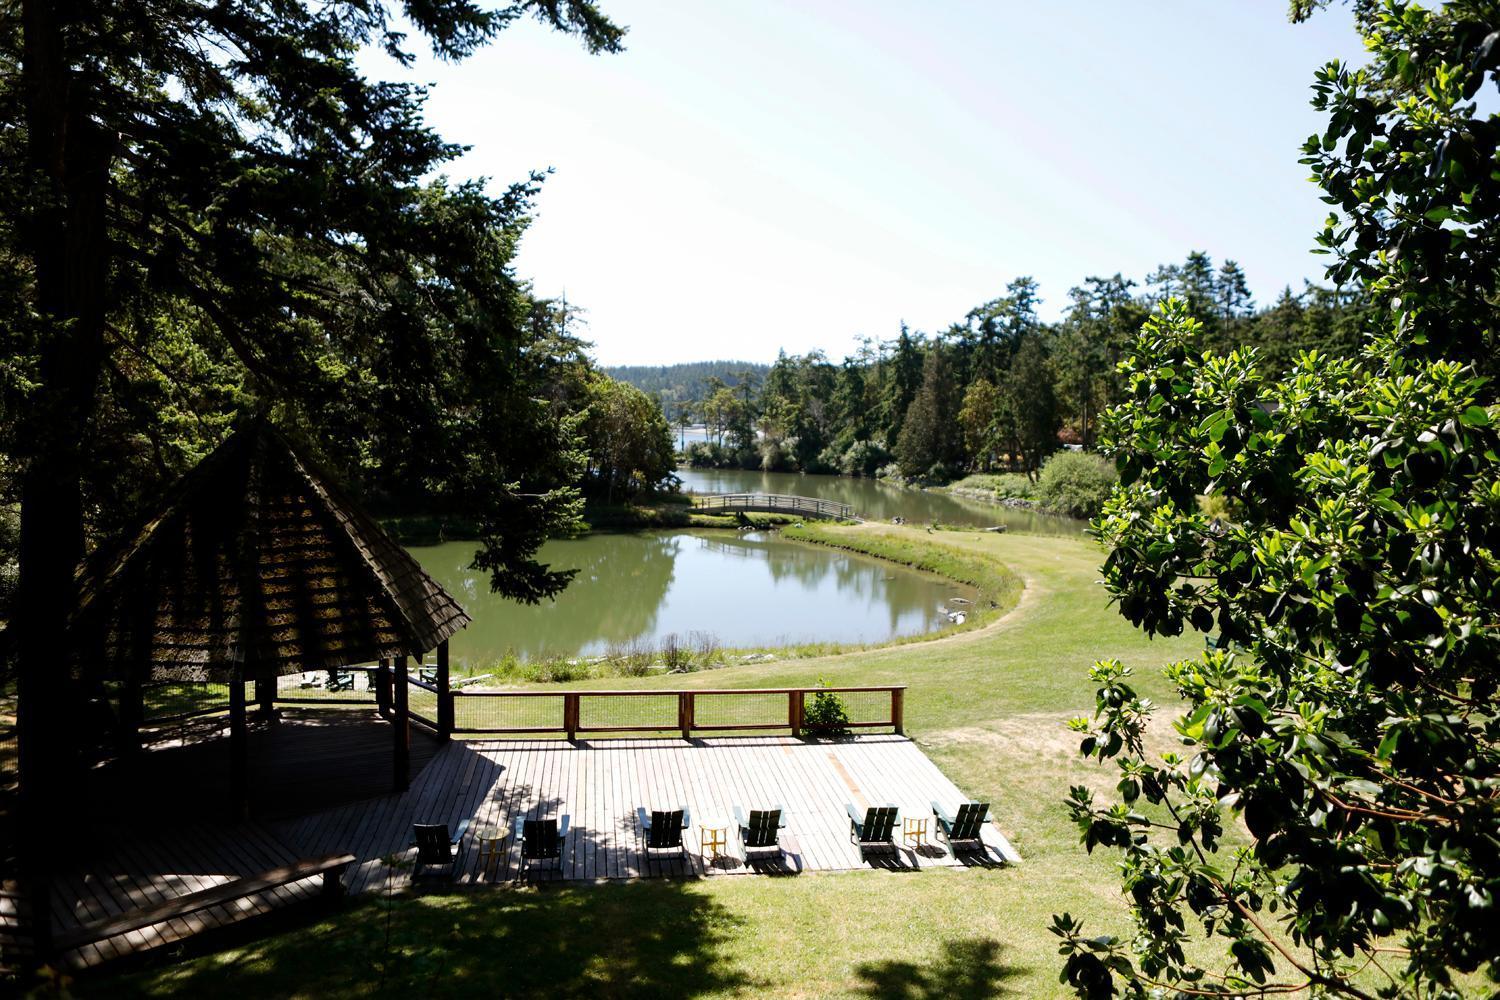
256, 561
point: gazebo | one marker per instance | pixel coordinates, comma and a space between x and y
256, 566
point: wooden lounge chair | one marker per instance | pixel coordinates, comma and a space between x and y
762, 830
341, 680
876, 828
435, 847
663, 828
542, 840
963, 828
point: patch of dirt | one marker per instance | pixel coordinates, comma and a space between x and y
1043, 740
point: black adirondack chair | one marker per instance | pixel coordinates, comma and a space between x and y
341, 680
875, 828
762, 830
434, 847
542, 840
963, 828
663, 828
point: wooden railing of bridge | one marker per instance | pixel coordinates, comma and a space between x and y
704, 710
775, 503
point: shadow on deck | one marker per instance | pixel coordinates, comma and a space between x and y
322, 784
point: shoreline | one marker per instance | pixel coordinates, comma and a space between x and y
999, 590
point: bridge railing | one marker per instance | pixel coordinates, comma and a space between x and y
780, 503
708, 710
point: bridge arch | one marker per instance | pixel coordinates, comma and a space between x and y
775, 503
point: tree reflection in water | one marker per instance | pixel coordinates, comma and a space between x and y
749, 589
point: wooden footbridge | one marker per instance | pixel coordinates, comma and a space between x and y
775, 503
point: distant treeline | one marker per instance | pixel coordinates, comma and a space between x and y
996, 390
687, 382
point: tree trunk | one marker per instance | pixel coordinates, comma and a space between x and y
68, 155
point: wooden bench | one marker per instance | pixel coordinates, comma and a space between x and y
331, 867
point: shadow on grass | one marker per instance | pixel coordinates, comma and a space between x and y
968, 970
647, 938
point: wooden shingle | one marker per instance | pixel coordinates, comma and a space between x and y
256, 563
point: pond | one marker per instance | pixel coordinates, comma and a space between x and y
742, 589
880, 501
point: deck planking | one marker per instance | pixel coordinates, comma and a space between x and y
600, 783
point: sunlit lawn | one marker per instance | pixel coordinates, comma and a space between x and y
987, 706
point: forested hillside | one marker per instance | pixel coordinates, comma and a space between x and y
686, 382
998, 389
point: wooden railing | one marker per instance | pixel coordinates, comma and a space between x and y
710, 710
775, 503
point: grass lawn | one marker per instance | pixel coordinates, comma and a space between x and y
987, 705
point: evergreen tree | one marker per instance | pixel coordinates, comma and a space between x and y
1028, 407
931, 442
901, 377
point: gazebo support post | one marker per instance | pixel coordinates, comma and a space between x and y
383, 688
265, 696
444, 695
401, 728
132, 713
239, 749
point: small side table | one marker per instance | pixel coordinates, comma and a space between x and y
714, 835
914, 830
490, 840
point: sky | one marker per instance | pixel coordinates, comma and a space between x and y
751, 177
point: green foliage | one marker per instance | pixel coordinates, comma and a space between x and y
825, 715
226, 214
626, 439
1340, 717
929, 445
1075, 483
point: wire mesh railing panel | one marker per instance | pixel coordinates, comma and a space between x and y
174, 699
627, 711
864, 706
345, 684
767, 711
498, 713
422, 703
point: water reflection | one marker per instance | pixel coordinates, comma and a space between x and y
873, 499
749, 589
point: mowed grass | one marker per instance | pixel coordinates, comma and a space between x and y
989, 706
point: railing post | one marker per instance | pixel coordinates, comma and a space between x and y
794, 707
685, 713
898, 710
444, 695
570, 715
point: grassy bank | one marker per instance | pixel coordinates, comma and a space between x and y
988, 706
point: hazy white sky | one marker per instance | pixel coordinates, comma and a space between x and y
747, 177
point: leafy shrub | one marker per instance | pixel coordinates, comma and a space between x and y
558, 671
706, 647
1013, 486
891, 471
677, 657
938, 472
864, 458
1217, 506
707, 455
1075, 483
825, 715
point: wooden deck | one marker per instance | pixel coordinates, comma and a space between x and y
600, 783
123, 860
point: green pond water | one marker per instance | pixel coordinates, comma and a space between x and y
879, 501
743, 589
